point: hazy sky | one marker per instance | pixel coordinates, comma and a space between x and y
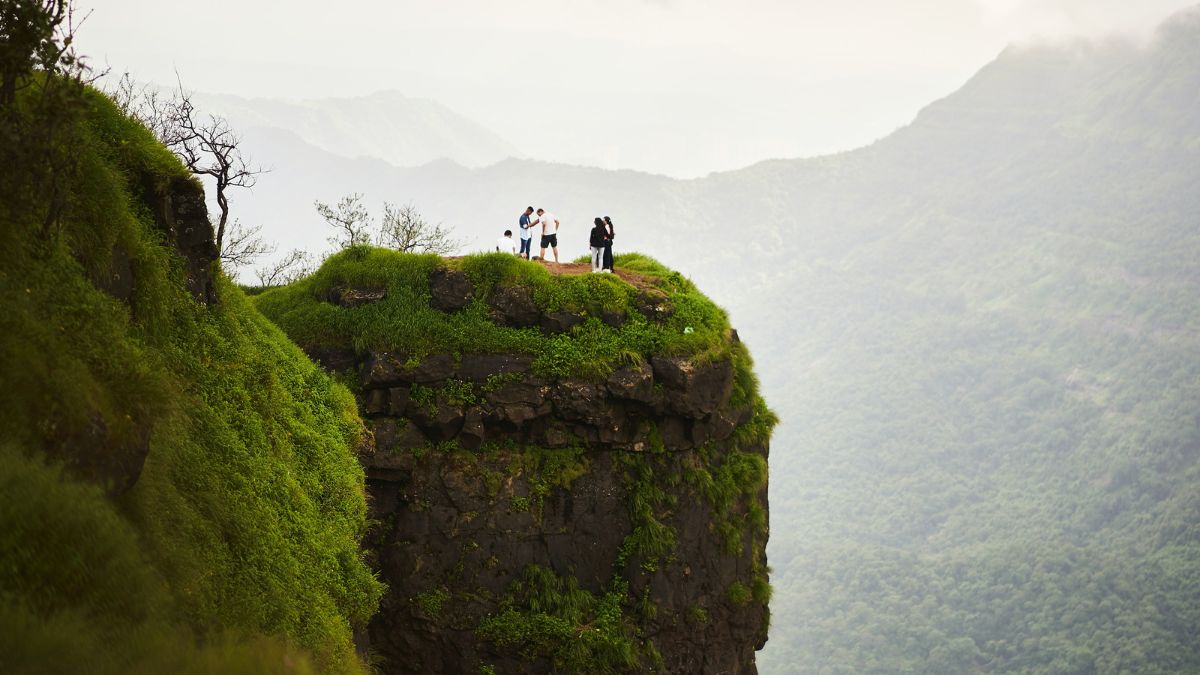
682, 87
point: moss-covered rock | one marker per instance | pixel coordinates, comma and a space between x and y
553, 489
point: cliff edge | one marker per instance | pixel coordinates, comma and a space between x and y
567, 472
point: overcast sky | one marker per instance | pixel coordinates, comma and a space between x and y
681, 87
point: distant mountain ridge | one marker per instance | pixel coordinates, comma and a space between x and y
385, 125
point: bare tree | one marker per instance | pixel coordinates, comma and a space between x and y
206, 144
210, 147
296, 265
349, 219
404, 229
243, 245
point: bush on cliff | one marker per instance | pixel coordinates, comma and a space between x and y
234, 546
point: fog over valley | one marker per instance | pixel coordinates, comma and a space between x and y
951, 245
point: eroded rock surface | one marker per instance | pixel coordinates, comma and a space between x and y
481, 469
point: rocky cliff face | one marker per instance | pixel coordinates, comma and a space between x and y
534, 524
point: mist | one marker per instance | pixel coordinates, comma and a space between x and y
958, 237
681, 89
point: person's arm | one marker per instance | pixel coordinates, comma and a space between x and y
556, 224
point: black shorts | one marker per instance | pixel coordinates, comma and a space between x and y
550, 240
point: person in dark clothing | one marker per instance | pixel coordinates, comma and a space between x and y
608, 255
599, 237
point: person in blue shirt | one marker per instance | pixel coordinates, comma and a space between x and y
526, 233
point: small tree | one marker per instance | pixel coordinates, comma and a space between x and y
210, 147
207, 145
37, 148
243, 246
34, 35
294, 266
349, 219
404, 229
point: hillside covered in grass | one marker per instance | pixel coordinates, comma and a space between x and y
178, 484
647, 310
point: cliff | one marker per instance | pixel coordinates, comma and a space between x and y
179, 490
568, 472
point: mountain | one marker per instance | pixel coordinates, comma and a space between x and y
386, 125
982, 335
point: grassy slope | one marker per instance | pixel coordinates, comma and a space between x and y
404, 321
243, 526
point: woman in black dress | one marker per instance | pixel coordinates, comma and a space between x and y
608, 257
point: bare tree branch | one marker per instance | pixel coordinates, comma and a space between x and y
404, 229
206, 144
243, 246
292, 267
349, 219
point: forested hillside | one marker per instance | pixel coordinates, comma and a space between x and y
988, 358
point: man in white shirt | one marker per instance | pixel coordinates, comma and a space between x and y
506, 244
549, 232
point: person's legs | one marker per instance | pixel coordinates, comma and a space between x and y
555, 249
526, 244
597, 258
608, 258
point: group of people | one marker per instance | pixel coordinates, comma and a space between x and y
600, 241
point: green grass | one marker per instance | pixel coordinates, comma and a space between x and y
405, 322
237, 549
551, 616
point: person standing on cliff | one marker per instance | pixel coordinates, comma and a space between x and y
608, 255
526, 233
550, 226
597, 241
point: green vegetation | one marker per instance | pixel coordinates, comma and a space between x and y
404, 322
236, 550
994, 453
548, 615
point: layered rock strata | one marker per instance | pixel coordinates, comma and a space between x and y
481, 471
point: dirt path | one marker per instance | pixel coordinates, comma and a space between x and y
578, 269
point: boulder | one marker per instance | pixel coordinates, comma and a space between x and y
530, 391
472, 434
355, 296
513, 306
693, 390
560, 322
478, 368
654, 305
613, 318
392, 439
433, 369
333, 359
381, 370
441, 422
450, 290
633, 383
